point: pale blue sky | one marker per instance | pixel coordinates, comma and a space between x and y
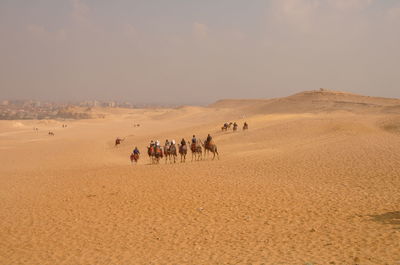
197, 51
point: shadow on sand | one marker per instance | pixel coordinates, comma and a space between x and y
389, 218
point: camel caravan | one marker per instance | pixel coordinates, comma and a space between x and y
227, 126
170, 150
200, 150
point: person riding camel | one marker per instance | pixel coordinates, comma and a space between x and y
194, 142
183, 142
135, 155
157, 148
172, 147
167, 143
208, 140
136, 151
152, 145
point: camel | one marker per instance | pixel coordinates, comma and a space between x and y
210, 147
150, 152
197, 151
171, 153
118, 141
155, 154
183, 152
235, 127
166, 153
51, 134
134, 158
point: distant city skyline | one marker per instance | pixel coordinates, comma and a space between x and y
196, 52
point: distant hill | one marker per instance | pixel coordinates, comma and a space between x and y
312, 102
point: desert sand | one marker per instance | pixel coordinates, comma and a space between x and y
315, 180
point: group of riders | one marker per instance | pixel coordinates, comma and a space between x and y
228, 125
169, 150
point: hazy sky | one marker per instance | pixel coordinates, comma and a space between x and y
187, 51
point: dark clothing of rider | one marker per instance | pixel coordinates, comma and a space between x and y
209, 138
136, 151
183, 142
194, 140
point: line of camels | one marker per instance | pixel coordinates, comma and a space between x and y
200, 150
234, 126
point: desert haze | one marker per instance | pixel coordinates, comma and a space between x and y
314, 180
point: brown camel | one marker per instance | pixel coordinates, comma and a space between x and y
235, 127
211, 147
171, 153
118, 141
183, 152
134, 158
197, 151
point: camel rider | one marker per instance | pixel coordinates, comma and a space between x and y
151, 143
173, 142
183, 142
194, 142
209, 138
157, 146
136, 151
167, 143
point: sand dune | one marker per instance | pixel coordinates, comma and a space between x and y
315, 180
315, 102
